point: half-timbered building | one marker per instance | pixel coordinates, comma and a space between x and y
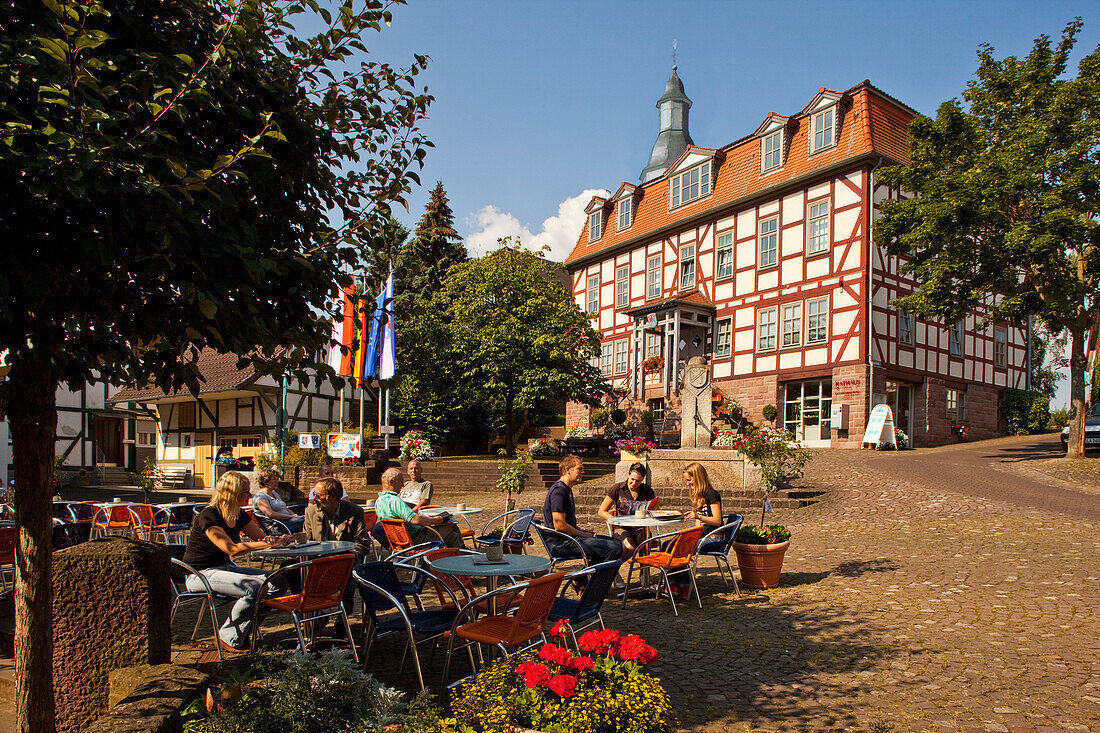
758, 256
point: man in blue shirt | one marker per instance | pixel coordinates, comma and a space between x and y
559, 512
390, 506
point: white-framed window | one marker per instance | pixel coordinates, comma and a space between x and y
956, 404
595, 225
821, 130
605, 360
817, 321
792, 325
687, 267
765, 329
652, 345
955, 338
653, 277
1000, 347
657, 407
723, 337
146, 439
725, 255
622, 286
771, 151
626, 213
691, 185
818, 227
621, 347
905, 328
769, 242
592, 298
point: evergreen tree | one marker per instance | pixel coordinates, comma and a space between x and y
436, 246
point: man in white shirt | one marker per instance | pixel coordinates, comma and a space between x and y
417, 492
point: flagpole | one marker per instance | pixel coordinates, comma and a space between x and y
387, 416
341, 409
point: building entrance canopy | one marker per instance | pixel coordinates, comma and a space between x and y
674, 329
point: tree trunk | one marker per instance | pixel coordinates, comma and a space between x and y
509, 423
1078, 364
32, 415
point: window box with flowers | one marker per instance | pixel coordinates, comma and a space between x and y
959, 431
602, 689
724, 407
653, 364
636, 448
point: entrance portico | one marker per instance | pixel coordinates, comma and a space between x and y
674, 329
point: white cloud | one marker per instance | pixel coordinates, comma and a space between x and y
558, 232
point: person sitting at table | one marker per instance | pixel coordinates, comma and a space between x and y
559, 512
325, 472
215, 537
390, 506
706, 510
620, 499
417, 491
268, 503
331, 518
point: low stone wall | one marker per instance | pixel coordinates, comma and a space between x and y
152, 698
355, 479
665, 467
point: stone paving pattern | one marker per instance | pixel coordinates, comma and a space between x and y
944, 589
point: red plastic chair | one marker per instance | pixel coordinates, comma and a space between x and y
112, 519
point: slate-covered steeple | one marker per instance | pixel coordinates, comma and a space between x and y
673, 137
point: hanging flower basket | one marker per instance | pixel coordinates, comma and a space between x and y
653, 364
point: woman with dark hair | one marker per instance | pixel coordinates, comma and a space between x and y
620, 501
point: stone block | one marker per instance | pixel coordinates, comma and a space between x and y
150, 699
725, 468
112, 609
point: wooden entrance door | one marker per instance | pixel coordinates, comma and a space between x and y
107, 432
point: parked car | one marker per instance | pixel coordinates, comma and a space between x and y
1092, 429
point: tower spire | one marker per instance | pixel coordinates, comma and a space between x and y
672, 135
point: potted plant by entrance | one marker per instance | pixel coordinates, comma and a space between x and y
778, 457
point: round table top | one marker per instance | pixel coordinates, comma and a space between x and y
513, 565
309, 549
631, 520
451, 510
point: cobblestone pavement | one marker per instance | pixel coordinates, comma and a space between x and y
949, 589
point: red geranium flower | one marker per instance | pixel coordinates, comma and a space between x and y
600, 642
560, 630
563, 685
582, 663
555, 654
633, 648
534, 673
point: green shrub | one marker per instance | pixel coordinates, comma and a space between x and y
647, 418
1058, 418
1025, 413
598, 417
769, 412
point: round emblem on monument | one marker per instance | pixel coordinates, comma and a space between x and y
698, 378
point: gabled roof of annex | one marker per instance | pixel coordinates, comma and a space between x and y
870, 122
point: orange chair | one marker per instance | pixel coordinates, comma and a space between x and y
112, 519
370, 518
680, 558
398, 534
321, 597
504, 631
9, 539
458, 586
144, 521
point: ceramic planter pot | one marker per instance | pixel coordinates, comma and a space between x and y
760, 565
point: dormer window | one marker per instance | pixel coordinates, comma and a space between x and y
821, 130
595, 225
691, 185
771, 151
626, 213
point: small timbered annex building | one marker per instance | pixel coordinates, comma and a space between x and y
758, 256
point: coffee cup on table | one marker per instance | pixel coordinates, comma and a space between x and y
116, 500
368, 504
181, 499
460, 507
640, 511
495, 552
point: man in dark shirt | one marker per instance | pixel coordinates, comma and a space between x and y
559, 512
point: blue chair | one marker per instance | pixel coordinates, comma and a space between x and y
382, 591
583, 612
559, 546
516, 524
717, 544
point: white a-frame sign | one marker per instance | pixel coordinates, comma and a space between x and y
880, 427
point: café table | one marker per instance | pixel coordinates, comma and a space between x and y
647, 522
454, 511
306, 550
472, 564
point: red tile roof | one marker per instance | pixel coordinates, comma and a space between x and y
872, 122
219, 370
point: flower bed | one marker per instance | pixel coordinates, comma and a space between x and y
604, 691
636, 445
725, 439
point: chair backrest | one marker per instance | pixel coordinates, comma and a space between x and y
82, 511
600, 579
685, 543
531, 615
461, 585
653, 504
61, 511
9, 538
113, 516
518, 529
69, 534
327, 578
548, 535
141, 515
370, 518
7, 511
396, 533
384, 575
733, 523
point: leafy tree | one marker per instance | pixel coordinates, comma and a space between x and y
1006, 191
515, 334
1047, 360
170, 169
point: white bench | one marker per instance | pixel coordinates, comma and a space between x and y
177, 476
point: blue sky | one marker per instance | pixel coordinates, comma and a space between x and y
540, 103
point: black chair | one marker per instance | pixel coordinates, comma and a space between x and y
382, 591
515, 526
69, 534
585, 611
559, 546
720, 552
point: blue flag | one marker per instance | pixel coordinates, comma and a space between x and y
370, 370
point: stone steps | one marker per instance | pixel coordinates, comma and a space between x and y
483, 475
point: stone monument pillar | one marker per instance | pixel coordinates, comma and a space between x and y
696, 410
